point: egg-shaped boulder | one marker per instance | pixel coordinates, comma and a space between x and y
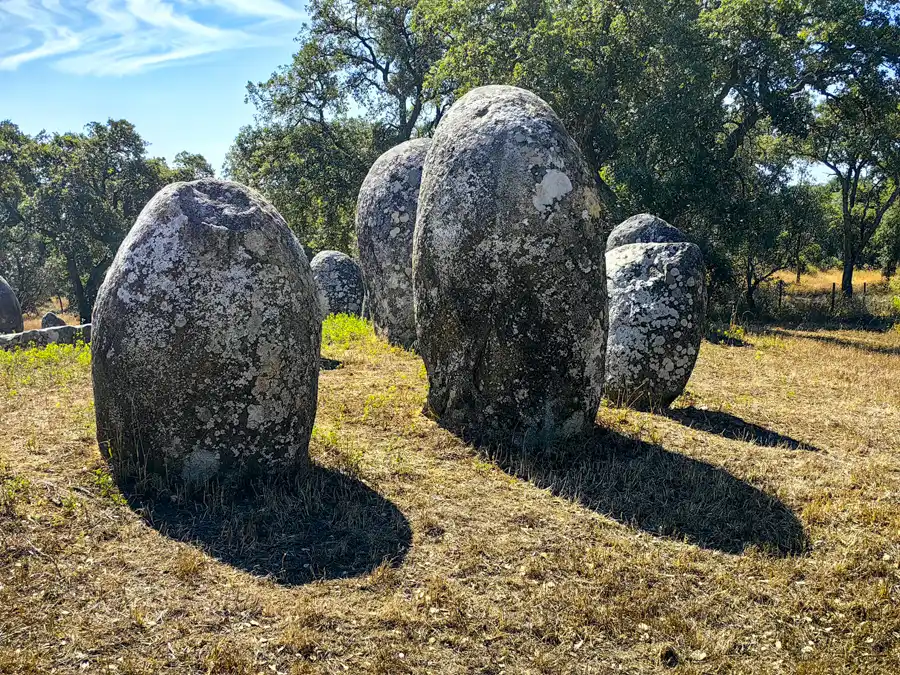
657, 306
385, 221
10, 310
508, 272
340, 284
643, 228
206, 338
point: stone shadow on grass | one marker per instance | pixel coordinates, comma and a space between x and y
839, 341
322, 525
644, 486
731, 426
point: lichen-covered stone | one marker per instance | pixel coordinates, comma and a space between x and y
508, 272
643, 229
340, 283
657, 305
385, 221
51, 320
206, 340
64, 335
10, 310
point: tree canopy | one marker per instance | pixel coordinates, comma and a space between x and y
68, 199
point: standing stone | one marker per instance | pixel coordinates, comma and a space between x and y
385, 221
51, 320
657, 306
340, 283
206, 340
10, 310
643, 228
508, 272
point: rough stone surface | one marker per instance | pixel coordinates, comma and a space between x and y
340, 283
10, 310
657, 305
206, 340
64, 335
385, 221
643, 229
50, 320
508, 272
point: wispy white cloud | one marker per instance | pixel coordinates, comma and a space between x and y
122, 37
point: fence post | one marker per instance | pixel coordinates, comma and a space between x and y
833, 293
780, 292
864, 291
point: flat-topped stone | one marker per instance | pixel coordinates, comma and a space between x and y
657, 305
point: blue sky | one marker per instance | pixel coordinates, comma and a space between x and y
177, 69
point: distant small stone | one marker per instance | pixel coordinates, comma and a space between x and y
340, 283
206, 341
10, 310
657, 306
63, 335
385, 221
643, 229
51, 320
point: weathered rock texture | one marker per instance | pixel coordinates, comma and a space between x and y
10, 310
385, 221
643, 229
64, 335
508, 272
206, 340
51, 320
657, 305
340, 283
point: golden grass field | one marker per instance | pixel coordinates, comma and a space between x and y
753, 529
820, 281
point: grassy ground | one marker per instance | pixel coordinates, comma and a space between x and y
754, 529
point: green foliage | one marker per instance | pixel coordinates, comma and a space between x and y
344, 330
68, 199
53, 365
356, 87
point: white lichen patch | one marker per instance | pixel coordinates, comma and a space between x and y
553, 187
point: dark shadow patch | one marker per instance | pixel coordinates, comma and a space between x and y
717, 337
644, 486
322, 525
731, 426
329, 364
835, 340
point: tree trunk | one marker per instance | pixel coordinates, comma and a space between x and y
750, 298
847, 277
84, 306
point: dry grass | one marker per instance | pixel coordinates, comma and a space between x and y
754, 529
818, 282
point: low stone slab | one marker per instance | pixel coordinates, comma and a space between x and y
63, 335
